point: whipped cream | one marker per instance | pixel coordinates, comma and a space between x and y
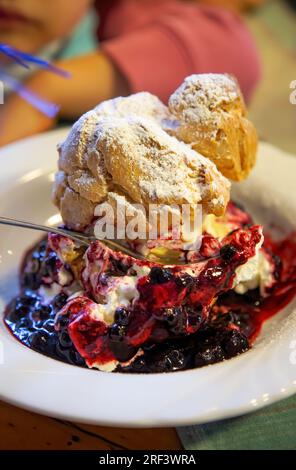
256, 272
121, 292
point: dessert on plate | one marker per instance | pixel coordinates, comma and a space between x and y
199, 296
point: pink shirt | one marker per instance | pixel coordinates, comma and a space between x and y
156, 43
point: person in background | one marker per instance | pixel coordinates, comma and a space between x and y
139, 45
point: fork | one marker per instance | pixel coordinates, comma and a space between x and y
84, 239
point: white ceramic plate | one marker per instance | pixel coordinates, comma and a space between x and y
261, 376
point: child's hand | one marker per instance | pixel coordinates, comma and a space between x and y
18, 119
94, 79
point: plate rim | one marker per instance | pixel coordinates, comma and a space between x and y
44, 139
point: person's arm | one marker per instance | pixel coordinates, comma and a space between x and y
150, 46
235, 5
94, 79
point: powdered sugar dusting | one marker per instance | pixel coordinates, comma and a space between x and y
127, 142
141, 104
200, 95
170, 171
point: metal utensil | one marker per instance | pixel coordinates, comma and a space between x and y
84, 239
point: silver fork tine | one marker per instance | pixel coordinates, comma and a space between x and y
80, 238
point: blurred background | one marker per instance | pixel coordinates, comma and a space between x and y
138, 45
273, 25
117, 47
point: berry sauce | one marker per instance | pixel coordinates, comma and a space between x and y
175, 324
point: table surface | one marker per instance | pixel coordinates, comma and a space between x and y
20, 429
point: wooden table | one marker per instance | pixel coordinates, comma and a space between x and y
23, 430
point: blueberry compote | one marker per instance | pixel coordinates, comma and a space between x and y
174, 325
31, 320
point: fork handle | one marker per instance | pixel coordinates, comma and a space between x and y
42, 228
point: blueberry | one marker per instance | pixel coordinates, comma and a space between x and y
23, 334
139, 366
64, 339
62, 322
120, 348
28, 298
121, 316
175, 359
75, 358
172, 314
208, 356
69, 355
38, 324
59, 301
49, 326
31, 280
21, 310
34, 264
118, 268
39, 340
166, 359
253, 297
44, 312
227, 252
184, 280
169, 315
179, 325
31, 275
116, 332
194, 320
175, 319
24, 322
160, 275
49, 267
234, 343
16, 312
240, 319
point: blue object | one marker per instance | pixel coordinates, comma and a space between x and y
24, 60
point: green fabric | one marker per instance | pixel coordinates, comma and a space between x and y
83, 40
271, 428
